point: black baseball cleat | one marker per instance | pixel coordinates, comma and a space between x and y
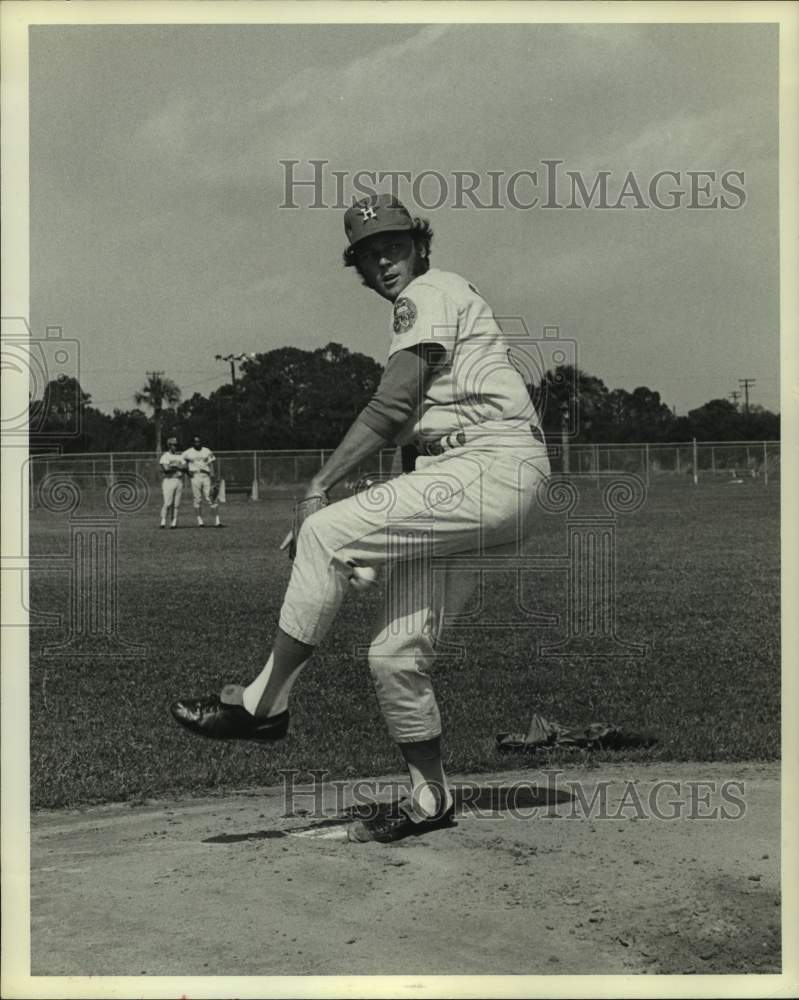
213, 718
393, 823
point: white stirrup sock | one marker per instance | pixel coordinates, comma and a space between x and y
430, 794
252, 694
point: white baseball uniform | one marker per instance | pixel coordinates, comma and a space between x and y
173, 467
477, 384
469, 493
199, 462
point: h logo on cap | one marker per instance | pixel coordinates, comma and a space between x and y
380, 213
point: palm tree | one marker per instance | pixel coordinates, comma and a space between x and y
158, 392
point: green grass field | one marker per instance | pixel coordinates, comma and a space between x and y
697, 578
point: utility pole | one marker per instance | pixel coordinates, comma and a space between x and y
734, 396
233, 358
746, 382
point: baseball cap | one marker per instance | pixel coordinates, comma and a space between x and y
379, 213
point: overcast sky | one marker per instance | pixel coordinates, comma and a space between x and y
157, 239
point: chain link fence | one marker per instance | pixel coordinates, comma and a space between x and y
254, 475
695, 462
262, 475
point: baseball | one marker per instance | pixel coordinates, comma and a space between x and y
362, 577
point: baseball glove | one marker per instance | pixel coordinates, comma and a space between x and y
214, 491
303, 510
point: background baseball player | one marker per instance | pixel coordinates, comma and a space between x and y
452, 396
200, 462
173, 467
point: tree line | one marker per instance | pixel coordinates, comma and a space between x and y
290, 398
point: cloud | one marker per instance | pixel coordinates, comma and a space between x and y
696, 141
156, 177
317, 108
314, 84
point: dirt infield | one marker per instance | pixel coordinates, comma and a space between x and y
532, 881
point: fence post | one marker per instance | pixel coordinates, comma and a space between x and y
254, 495
713, 461
646, 463
677, 468
696, 464
748, 469
595, 460
765, 463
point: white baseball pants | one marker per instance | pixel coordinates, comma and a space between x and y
469, 500
201, 490
172, 491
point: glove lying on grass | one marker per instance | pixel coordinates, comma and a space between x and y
545, 735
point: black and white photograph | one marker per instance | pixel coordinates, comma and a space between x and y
397, 558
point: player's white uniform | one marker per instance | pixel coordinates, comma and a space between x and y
199, 462
173, 467
478, 383
469, 493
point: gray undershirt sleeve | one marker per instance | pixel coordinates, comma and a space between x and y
401, 389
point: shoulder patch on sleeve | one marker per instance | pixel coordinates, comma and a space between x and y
404, 315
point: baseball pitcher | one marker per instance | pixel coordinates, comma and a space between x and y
452, 397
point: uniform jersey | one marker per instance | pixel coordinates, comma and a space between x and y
198, 459
173, 466
476, 380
